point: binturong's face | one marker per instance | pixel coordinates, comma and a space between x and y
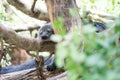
45, 32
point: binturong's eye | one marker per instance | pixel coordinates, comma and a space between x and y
40, 32
48, 31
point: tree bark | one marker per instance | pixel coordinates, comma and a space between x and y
62, 8
30, 74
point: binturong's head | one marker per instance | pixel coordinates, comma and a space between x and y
45, 32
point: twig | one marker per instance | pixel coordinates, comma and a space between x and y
33, 6
39, 66
2, 53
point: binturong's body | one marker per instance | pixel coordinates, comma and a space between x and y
44, 33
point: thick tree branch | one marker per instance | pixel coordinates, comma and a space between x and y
26, 27
61, 8
38, 13
29, 44
30, 74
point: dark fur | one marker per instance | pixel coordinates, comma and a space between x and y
27, 65
99, 26
45, 32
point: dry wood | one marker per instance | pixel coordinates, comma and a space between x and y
30, 74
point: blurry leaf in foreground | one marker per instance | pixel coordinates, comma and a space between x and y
56, 38
59, 23
117, 26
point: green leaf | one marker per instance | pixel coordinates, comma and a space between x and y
59, 23
56, 38
117, 26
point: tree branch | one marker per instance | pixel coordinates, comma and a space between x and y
26, 27
38, 13
102, 14
30, 74
29, 44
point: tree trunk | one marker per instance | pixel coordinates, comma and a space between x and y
62, 8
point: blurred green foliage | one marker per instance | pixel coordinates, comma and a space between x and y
90, 55
59, 25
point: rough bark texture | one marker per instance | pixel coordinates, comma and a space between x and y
61, 8
31, 74
39, 14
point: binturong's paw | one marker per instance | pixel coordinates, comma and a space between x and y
51, 67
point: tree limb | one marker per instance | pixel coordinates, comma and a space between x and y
102, 14
38, 13
26, 27
29, 44
30, 74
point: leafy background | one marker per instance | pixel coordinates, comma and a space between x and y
87, 55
